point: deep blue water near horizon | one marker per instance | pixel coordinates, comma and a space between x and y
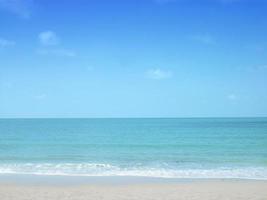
156, 147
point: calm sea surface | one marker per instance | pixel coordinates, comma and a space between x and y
172, 148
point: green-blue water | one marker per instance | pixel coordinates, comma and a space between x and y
174, 148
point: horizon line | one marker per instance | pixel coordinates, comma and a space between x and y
132, 117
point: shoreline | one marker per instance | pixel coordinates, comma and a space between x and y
63, 180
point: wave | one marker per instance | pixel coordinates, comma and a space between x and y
102, 169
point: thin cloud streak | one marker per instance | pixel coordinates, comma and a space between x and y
48, 38
6, 43
50, 43
158, 74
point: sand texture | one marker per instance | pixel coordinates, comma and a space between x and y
202, 190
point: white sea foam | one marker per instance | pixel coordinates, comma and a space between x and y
101, 169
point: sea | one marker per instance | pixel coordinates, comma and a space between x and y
191, 148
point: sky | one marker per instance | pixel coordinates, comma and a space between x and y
133, 58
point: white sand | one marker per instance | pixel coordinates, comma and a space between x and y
189, 190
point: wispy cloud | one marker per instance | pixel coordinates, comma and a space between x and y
6, 43
158, 74
50, 43
48, 38
204, 39
21, 8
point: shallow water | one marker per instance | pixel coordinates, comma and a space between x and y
167, 147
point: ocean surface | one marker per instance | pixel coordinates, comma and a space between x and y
162, 147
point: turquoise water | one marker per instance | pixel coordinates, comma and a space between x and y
171, 148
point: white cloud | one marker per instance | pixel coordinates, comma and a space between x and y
204, 38
51, 45
48, 38
21, 8
57, 52
6, 43
159, 74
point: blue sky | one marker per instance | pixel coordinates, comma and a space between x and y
133, 58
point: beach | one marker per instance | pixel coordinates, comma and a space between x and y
142, 159
138, 189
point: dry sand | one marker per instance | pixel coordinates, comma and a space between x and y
189, 190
